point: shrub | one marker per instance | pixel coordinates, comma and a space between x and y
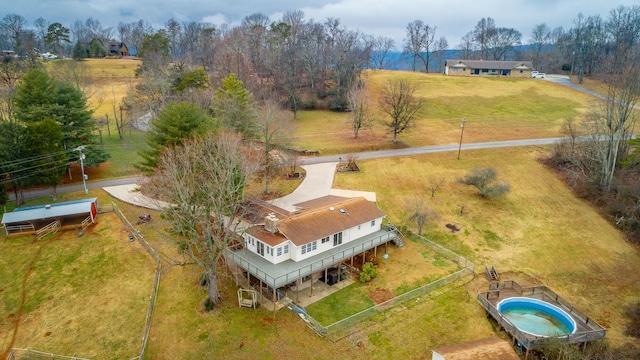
369, 271
484, 179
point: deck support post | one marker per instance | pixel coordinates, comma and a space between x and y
261, 294
311, 286
274, 303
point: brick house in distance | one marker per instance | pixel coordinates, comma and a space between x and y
513, 69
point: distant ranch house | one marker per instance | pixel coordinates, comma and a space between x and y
513, 69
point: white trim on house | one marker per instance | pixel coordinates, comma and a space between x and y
287, 250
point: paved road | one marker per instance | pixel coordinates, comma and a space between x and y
560, 79
30, 194
308, 160
315, 160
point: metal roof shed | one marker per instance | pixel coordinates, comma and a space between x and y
33, 217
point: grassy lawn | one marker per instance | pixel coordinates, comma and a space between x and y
407, 268
539, 228
495, 109
82, 295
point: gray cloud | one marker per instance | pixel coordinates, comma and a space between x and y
453, 19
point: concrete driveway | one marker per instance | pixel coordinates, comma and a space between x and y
564, 80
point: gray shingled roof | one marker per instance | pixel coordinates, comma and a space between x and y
491, 64
41, 212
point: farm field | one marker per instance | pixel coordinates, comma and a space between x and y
495, 109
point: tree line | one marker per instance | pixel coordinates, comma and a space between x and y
593, 44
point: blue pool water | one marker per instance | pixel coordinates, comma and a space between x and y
537, 317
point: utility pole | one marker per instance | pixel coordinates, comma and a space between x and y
84, 177
464, 120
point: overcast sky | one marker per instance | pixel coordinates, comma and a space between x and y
453, 18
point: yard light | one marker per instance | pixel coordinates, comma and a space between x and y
464, 120
84, 177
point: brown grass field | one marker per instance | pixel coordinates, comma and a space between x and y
540, 228
539, 233
495, 109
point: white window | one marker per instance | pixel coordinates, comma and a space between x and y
325, 239
260, 248
309, 247
373, 223
286, 249
279, 251
358, 227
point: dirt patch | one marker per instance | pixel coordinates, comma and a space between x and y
380, 295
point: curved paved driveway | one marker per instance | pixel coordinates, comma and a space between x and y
564, 80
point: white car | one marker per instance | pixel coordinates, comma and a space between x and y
537, 75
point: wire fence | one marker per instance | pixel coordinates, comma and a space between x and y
137, 235
17, 353
384, 309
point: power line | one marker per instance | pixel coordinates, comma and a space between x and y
9, 180
32, 167
34, 158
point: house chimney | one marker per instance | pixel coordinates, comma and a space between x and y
271, 223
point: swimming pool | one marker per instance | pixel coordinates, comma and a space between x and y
537, 317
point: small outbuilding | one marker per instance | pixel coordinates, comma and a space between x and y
70, 214
491, 348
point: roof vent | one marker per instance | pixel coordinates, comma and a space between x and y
331, 208
342, 211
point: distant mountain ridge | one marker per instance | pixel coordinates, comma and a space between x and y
398, 60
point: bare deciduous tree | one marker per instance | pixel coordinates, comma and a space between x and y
435, 184
360, 105
291, 161
204, 181
540, 38
420, 37
421, 214
273, 126
610, 126
399, 102
381, 50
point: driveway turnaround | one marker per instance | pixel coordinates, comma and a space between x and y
316, 183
